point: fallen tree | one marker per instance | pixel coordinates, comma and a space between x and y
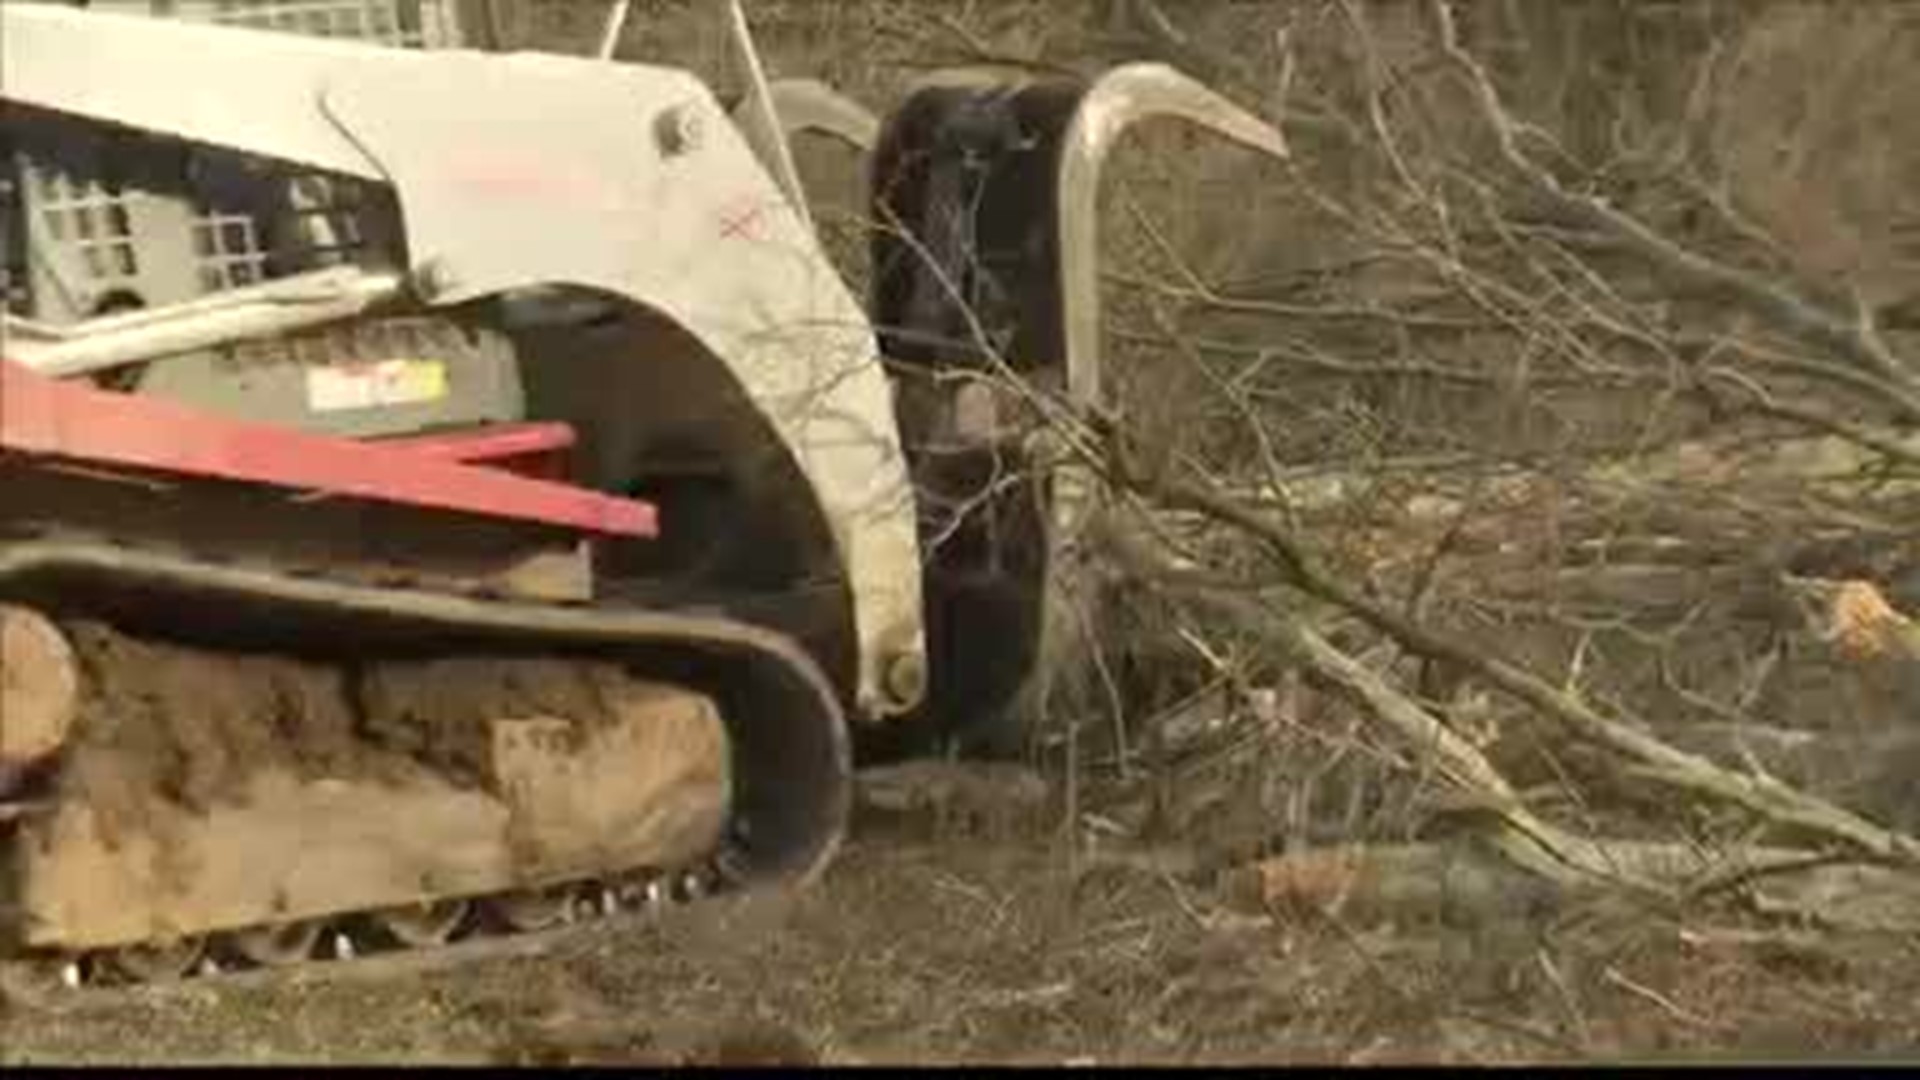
1514, 861
1466, 883
1737, 498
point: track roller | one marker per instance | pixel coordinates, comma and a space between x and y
534, 909
277, 946
156, 962
423, 926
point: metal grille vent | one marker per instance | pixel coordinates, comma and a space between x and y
87, 242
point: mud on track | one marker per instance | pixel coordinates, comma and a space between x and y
193, 727
994, 952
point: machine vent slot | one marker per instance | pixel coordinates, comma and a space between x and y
81, 244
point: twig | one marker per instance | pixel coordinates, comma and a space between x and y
1768, 404
1855, 340
1763, 795
1664, 1002
1525, 839
1576, 1017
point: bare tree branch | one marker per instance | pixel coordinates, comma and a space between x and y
1772, 800
1855, 340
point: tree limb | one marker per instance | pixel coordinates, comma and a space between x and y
1855, 340
1772, 800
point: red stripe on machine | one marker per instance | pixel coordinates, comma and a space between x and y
43, 417
497, 444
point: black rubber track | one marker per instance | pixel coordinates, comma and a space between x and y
789, 740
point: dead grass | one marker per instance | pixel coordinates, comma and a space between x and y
982, 953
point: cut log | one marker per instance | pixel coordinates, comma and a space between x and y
1864, 625
998, 799
1461, 883
1451, 883
39, 690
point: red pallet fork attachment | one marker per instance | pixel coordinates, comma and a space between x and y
76, 423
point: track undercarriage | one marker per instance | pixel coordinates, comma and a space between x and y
267, 764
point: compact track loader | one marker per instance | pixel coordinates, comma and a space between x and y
445, 493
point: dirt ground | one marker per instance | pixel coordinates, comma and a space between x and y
999, 952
